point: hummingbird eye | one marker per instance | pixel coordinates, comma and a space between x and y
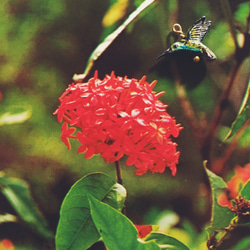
175, 46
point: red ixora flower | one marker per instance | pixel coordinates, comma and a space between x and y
234, 185
118, 116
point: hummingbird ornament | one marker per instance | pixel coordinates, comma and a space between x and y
193, 41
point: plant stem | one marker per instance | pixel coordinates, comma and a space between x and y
118, 172
221, 107
188, 109
119, 180
240, 55
220, 164
229, 16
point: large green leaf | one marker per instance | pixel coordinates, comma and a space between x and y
243, 114
17, 193
167, 242
220, 216
117, 231
76, 229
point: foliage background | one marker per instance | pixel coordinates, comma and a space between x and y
44, 43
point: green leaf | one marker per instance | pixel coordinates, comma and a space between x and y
76, 229
110, 38
242, 13
17, 193
7, 218
14, 117
116, 12
117, 231
244, 244
220, 216
167, 242
245, 191
243, 114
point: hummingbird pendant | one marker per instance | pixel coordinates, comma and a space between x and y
193, 41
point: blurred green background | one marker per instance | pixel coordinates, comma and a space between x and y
43, 43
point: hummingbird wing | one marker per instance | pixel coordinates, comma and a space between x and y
199, 29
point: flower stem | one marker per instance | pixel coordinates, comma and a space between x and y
119, 180
118, 172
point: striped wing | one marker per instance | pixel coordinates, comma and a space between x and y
198, 30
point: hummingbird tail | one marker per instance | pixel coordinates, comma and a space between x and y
210, 55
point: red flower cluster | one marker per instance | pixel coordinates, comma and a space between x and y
117, 116
234, 185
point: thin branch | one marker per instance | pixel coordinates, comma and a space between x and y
110, 39
223, 103
241, 53
221, 107
119, 181
118, 172
228, 13
188, 109
219, 165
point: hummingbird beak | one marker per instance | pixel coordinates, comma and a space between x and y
164, 53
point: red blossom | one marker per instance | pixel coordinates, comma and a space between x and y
6, 244
66, 134
241, 176
143, 230
118, 116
